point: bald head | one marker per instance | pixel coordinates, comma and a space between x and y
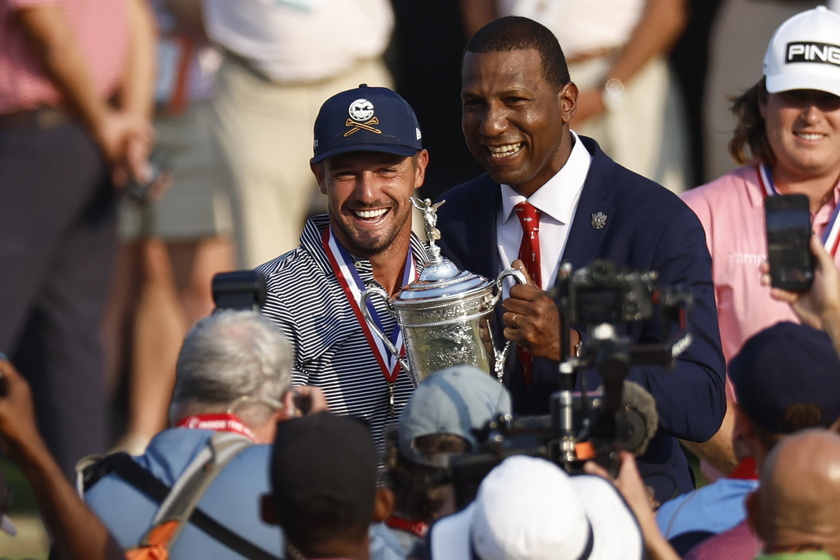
799, 501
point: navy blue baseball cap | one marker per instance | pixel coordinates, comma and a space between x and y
783, 365
366, 119
324, 459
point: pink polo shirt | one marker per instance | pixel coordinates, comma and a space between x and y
737, 543
101, 29
731, 210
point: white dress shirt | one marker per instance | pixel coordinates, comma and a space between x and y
556, 200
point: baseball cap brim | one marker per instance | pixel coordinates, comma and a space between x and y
406, 151
793, 81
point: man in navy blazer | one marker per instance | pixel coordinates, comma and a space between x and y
518, 102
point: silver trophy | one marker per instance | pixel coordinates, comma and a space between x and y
446, 316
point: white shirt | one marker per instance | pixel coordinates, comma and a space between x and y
581, 26
557, 201
301, 40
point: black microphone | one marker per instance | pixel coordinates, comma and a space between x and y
637, 420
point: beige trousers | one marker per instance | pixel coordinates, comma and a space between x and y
648, 133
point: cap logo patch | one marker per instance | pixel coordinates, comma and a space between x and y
822, 53
361, 117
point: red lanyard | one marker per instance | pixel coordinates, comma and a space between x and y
417, 528
218, 423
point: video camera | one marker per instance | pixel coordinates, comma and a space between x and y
602, 302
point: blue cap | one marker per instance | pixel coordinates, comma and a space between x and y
783, 365
457, 400
366, 119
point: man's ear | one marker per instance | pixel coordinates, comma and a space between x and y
420, 169
568, 97
743, 433
318, 171
267, 511
383, 504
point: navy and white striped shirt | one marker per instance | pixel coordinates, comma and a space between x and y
305, 299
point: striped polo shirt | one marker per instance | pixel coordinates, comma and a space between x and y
306, 300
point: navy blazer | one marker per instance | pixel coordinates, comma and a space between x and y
647, 228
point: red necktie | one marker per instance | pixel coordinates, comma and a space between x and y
529, 248
529, 253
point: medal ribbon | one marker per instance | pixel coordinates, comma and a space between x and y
831, 235
217, 423
352, 285
416, 528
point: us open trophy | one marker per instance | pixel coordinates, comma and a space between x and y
447, 315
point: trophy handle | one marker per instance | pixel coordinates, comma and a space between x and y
501, 356
366, 295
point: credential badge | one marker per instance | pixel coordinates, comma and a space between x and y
361, 117
599, 220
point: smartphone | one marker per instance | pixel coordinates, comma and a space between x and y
788, 224
159, 165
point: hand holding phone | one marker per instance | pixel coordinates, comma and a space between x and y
789, 256
160, 170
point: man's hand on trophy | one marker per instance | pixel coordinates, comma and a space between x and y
532, 319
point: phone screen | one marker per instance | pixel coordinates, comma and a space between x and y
788, 223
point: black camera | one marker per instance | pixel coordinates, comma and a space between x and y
606, 305
601, 294
239, 289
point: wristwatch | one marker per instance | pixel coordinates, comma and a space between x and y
613, 94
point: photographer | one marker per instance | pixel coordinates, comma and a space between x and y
233, 375
439, 422
529, 508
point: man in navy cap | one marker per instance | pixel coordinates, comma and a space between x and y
368, 160
323, 488
438, 424
785, 378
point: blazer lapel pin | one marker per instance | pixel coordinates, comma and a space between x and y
599, 220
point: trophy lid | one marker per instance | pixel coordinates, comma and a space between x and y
440, 278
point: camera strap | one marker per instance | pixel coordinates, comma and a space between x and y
129, 470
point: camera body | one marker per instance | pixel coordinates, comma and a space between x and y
601, 294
